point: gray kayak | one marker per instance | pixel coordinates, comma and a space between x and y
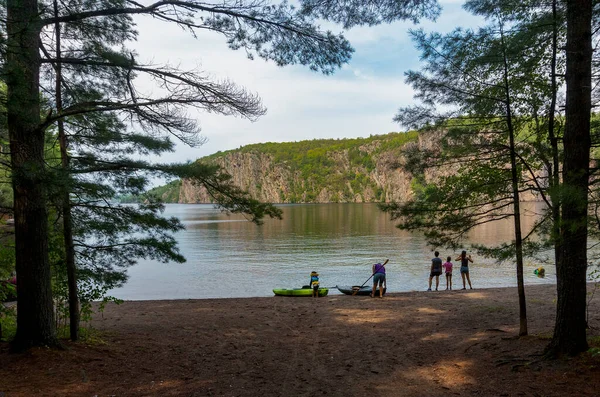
358, 290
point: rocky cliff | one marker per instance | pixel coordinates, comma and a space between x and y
356, 170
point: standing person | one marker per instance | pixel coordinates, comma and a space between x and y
314, 284
448, 270
464, 268
436, 270
379, 278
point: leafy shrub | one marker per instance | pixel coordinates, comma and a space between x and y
90, 292
8, 314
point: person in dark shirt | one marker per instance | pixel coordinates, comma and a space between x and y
436, 270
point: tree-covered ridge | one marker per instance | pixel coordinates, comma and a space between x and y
168, 193
303, 151
318, 170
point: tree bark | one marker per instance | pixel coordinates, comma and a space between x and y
515, 192
554, 172
570, 327
66, 199
35, 315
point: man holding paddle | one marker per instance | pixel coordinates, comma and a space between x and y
379, 278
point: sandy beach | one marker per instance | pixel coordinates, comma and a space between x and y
407, 344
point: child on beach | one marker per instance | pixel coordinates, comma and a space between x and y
448, 270
314, 284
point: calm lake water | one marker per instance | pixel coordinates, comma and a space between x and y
228, 256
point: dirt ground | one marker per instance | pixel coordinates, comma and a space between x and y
407, 344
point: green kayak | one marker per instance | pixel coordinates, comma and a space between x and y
299, 291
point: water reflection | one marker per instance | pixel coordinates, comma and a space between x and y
230, 257
496, 232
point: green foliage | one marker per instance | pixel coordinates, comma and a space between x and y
318, 149
8, 292
8, 320
6, 195
351, 13
168, 193
594, 343
7, 259
93, 298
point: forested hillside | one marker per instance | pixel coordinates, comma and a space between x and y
320, 170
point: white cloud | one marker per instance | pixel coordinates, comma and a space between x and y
359, 100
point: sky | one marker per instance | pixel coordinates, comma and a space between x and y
358, 100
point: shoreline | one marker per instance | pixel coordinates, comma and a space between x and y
338, 293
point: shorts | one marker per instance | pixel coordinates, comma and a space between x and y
378, 278
464, 269
315, 287
435, 273
448, 273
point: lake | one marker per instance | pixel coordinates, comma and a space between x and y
228, 256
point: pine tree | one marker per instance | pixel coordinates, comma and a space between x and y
571, 270
494, 81
97, 85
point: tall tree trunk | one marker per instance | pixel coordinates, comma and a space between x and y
569, 331
66, 200
35, 315
554, 173
515, 190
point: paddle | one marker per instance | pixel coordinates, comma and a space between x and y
308, 287
359, 288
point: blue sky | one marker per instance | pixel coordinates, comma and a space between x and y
359, 100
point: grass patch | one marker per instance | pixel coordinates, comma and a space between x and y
538, 301
544, 336
594, 341
88, 335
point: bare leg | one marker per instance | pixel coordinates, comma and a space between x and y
430, 279
463, 277
381, 289
469, 280
447, 281
450, 278
437, 282
373, 292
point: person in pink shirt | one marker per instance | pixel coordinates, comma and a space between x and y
448, 270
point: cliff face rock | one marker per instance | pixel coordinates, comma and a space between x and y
387, 174
325, 171
344, 177
253, 172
